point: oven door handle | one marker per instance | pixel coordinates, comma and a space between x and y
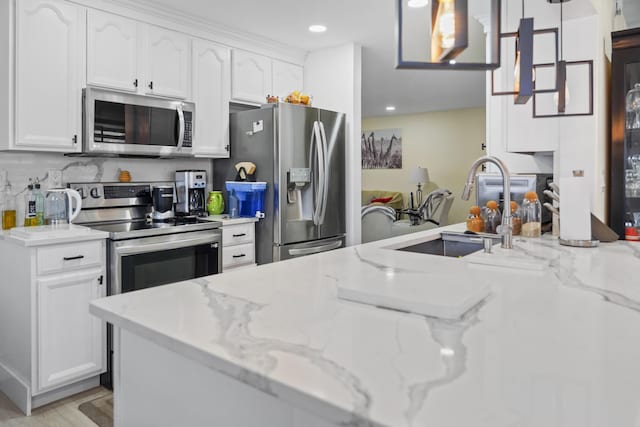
168, 245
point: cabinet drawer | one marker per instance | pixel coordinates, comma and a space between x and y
237, 234
71, 256
238, 255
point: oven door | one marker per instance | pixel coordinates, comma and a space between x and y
158, 260
123, 123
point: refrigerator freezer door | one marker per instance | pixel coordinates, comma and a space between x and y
333, 216
297, 250
297, 150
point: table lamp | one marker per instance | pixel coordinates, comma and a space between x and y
420, 176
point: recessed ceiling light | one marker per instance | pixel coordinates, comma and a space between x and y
452, 62
418, 3
390, 108
317, 28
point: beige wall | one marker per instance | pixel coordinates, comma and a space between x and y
445, 142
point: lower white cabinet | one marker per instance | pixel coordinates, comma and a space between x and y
50, 345
70, 341
238, 244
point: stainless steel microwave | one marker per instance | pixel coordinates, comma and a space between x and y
118, 123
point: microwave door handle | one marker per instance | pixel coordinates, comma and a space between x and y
181, 126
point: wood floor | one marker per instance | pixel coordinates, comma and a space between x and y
63, 413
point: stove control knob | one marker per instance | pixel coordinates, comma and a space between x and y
95, 193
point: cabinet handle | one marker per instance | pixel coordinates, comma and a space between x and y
226, 147
75, 139
100, 279
239, 256
135, 83
240, 235
71, 258
151, 85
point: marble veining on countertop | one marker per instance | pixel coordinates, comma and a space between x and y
558, 347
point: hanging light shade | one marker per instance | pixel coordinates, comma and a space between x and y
449, 29
561, 97
524, 69
448, 35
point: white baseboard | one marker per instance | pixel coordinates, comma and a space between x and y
15, 389
66, 391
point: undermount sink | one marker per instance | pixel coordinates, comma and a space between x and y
451, 244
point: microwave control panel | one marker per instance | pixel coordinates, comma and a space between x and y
188, 129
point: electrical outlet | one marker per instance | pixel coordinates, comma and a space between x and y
55, 178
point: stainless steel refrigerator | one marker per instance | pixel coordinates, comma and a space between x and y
300, 152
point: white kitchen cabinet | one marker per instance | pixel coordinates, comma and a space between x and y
52, 346
70, 340
112, 59
48, 77
238, 243
251, 77
168, 58
286, 78
211, 94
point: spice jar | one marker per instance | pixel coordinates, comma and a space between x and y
475, 222
531, 215
516, 220
494, 218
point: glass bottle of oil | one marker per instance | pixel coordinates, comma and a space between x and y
30, 207
8, 208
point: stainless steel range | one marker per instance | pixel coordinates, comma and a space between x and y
143, 253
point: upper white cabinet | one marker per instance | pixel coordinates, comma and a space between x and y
211, 93
48, 77
127, 55
251, 77
112, 51
167, 63
286, 78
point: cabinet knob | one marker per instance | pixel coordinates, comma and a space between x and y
151, 85
135, 83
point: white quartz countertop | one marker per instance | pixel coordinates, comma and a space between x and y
52, 234
556, 347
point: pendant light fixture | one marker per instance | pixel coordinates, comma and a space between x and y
442, 32
561, 96
523, 68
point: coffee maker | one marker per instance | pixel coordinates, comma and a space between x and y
162, 198
190, 192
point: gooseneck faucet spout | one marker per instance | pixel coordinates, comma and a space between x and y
505, 229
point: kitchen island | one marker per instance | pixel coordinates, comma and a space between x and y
274, 346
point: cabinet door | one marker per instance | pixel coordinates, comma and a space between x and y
286, 78
167, 63
48, 75
250, 77
211, 94
71, 342
111, 51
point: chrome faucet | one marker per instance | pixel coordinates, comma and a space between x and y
505, 230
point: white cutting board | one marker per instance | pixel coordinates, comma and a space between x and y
445, 296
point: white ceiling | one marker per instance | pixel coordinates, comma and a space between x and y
368, 22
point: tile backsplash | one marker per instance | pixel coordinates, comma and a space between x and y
20, 167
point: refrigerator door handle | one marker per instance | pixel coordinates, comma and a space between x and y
316, 250
316, 138
325, 181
